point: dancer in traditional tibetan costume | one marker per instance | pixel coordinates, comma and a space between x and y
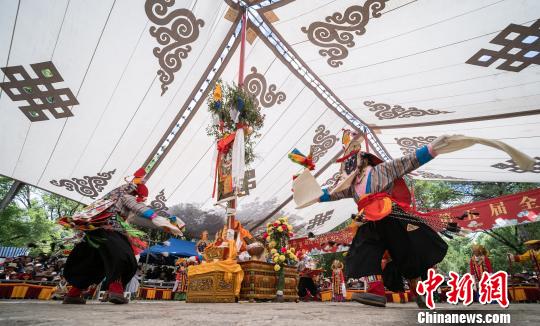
532, 255
339, 292
479, 262
180, 285
109, 245
307, 289
386, 221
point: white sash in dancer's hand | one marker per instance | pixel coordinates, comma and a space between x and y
166, 225
448, 144
306, 190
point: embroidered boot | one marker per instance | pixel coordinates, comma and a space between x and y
375, 295
74, 296
116, 293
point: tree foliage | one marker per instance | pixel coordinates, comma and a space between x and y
28, 221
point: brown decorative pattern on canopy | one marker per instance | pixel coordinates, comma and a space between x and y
88, 186
429, 175
159, 204
410, 144
255, 84
249, 183
174, 40
335, 33
511, 166
322, 142
385, 111
39, 93
319, 219
527, 44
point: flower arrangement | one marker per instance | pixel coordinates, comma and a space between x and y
231, 107
277, 236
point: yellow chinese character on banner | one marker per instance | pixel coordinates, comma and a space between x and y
528, 203
498, 209
471, 216
446, 217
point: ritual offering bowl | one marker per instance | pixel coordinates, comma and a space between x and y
255, 250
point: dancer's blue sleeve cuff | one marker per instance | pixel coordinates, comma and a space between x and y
368, 183
325, 196
423, 155
148, 213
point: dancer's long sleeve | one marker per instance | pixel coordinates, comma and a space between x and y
380, 178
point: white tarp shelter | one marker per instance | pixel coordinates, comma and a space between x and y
138, 73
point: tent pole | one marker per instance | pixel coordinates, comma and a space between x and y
145, 268
242, 50
12, 192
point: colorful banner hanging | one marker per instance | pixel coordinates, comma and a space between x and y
330, 242
519, 208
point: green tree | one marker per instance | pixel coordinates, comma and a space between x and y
56, 206
29, 220
457, 256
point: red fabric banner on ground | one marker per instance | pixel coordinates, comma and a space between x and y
519, 208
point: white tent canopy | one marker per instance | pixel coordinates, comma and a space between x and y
402, 71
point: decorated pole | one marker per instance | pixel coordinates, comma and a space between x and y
231, 211
236, 122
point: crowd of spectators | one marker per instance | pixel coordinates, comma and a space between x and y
25, 268
160, 273
43, 268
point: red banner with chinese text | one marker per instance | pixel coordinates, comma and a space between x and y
519, 208
522, 207
330, 242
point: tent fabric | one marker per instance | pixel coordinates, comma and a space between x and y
177, 248
8, 252
403, 72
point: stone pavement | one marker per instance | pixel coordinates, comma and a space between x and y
163, 313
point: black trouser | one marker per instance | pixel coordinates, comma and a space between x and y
304, 284
112, 259
413, 246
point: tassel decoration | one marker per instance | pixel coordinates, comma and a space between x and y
306, 161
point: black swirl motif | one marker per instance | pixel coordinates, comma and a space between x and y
87, 186
335, 35
430, 175
158, 204
322, 142
409, 145
175, 39
512, 166
255, 84
332, 181
385, 111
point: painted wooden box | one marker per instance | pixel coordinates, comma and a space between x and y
260, 282
211, 287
